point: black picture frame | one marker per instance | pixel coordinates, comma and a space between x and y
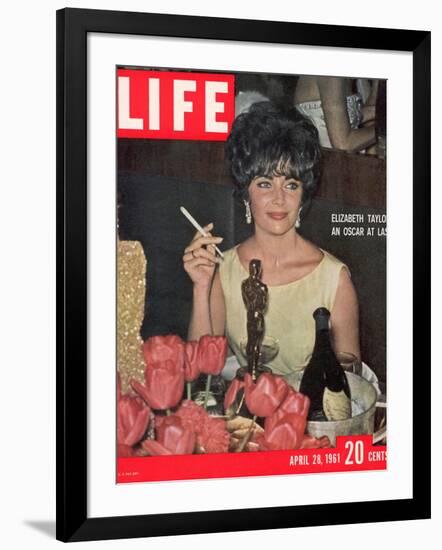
73, 26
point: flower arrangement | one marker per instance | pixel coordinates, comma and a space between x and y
159, 417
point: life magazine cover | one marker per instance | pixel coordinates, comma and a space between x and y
251, 281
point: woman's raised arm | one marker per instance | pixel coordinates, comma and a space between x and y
208, 310
200, 261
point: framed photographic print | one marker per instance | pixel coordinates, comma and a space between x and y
241, 343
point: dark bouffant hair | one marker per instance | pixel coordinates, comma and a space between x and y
266, 141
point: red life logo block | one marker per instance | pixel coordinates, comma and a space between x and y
174, 105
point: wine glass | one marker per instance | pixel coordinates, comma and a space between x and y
349, 362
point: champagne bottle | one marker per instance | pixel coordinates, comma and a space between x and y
324, 380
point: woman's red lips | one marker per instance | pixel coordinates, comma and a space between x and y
277, 215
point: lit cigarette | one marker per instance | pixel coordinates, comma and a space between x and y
197, 226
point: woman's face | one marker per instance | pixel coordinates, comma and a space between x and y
275, 203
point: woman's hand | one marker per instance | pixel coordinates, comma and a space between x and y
199, 258
238, 427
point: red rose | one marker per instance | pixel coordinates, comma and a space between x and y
264, 396
164, 385
173, 437
191, 365
192, 415
211, 433
213, 436
232, 392
212, 352
157, 349
286, 433
132, 419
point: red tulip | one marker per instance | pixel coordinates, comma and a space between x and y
264, 396
164, 385
173, 437
132, 419
125, 451
212, 351
286, 433
232, 392
310, 442
153, 448
157, 349
294, 403
191, 365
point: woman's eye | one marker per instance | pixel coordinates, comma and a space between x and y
263, 183
293, 185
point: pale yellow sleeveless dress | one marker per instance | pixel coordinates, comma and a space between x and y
289, 315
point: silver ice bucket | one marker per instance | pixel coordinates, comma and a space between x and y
364, 398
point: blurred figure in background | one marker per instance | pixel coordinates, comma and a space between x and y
340, 115
253, 88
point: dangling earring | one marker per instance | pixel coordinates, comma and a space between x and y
248, 212
298, 219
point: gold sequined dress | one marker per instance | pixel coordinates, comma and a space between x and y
131, 290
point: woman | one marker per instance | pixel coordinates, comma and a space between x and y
341, 119
274, 157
